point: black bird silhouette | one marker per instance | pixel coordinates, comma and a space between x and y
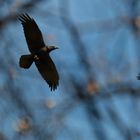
39, 52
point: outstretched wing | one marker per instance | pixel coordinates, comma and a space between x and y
47, 69
32, 33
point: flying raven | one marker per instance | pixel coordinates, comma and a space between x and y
39, 52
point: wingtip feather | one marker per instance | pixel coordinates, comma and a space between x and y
24, 17
53, 87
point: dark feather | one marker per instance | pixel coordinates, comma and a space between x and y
26, 61
47, 69
32, 33
39, 54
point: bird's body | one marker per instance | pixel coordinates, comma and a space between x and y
39, 52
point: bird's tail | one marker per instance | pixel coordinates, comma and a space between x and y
26, 61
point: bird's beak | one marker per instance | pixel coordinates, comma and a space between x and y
51, 48
56, 48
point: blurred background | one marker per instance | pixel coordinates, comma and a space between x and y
98, 97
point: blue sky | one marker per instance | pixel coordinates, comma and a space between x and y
113, 57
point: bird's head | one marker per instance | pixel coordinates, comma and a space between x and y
51, 48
